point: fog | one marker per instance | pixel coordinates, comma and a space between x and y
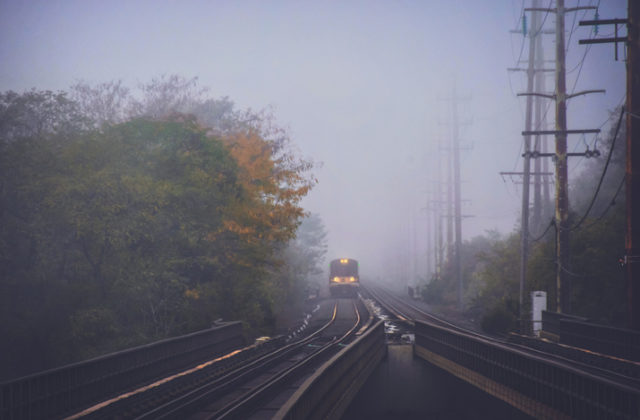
361, 86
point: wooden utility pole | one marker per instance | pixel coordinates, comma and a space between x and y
439, 230
457, 209
632, 241
454, 210
450, 203
563, 280
541, 184
524, 223
632, 171
429, 237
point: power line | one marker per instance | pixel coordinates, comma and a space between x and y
544, 19
604, 171
552, 223
611, 203
595, 136
569, 272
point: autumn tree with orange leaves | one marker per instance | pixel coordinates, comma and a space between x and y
138, 216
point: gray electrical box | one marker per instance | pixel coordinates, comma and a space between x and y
538, 304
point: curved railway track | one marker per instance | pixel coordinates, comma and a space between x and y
409, 313
222, 389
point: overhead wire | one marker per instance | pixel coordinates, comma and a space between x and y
551, 224
539, 29
571, 273
611, 203
604, 172
595, 140
578, 66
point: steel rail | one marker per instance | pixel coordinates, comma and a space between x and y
195, 398
590, 368
248, 401
427, 317
192, 399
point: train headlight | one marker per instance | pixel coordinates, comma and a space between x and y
336, 280
352, 279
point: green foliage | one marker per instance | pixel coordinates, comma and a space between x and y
500, 318
116, 230
599, 284
498, 276
443, 289
302, 261
491, 269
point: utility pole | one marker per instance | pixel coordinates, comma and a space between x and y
541, 184
524, 228
457, 209
439, 230
632, 170
632, 242
563, 281
533, 71
454, 213
450, 203
429, 238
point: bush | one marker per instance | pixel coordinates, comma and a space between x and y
499, 319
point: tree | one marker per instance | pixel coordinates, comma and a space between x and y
105, 103
119, 226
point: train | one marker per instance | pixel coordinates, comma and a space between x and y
343, 277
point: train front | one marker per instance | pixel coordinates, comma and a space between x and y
343, 277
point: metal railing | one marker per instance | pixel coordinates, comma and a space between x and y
543, 386
601, 338
60, 391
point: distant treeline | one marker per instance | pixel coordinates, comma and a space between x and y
127, 217
491, 263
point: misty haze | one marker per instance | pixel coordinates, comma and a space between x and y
168, 168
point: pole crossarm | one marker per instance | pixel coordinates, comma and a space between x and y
615, 40
575, 9
553, 96
530, 173
544, 95
554, 10
556, 132
544, 31
585, 154
539, 9
603, 22
535, 70
585, 92
535, 155
603, 40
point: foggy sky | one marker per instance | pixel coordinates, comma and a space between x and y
359, 84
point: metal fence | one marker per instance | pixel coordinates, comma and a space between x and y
540, 387
601, 338
61, 391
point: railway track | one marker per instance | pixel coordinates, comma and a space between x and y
406, 312
238, 384
602, 366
